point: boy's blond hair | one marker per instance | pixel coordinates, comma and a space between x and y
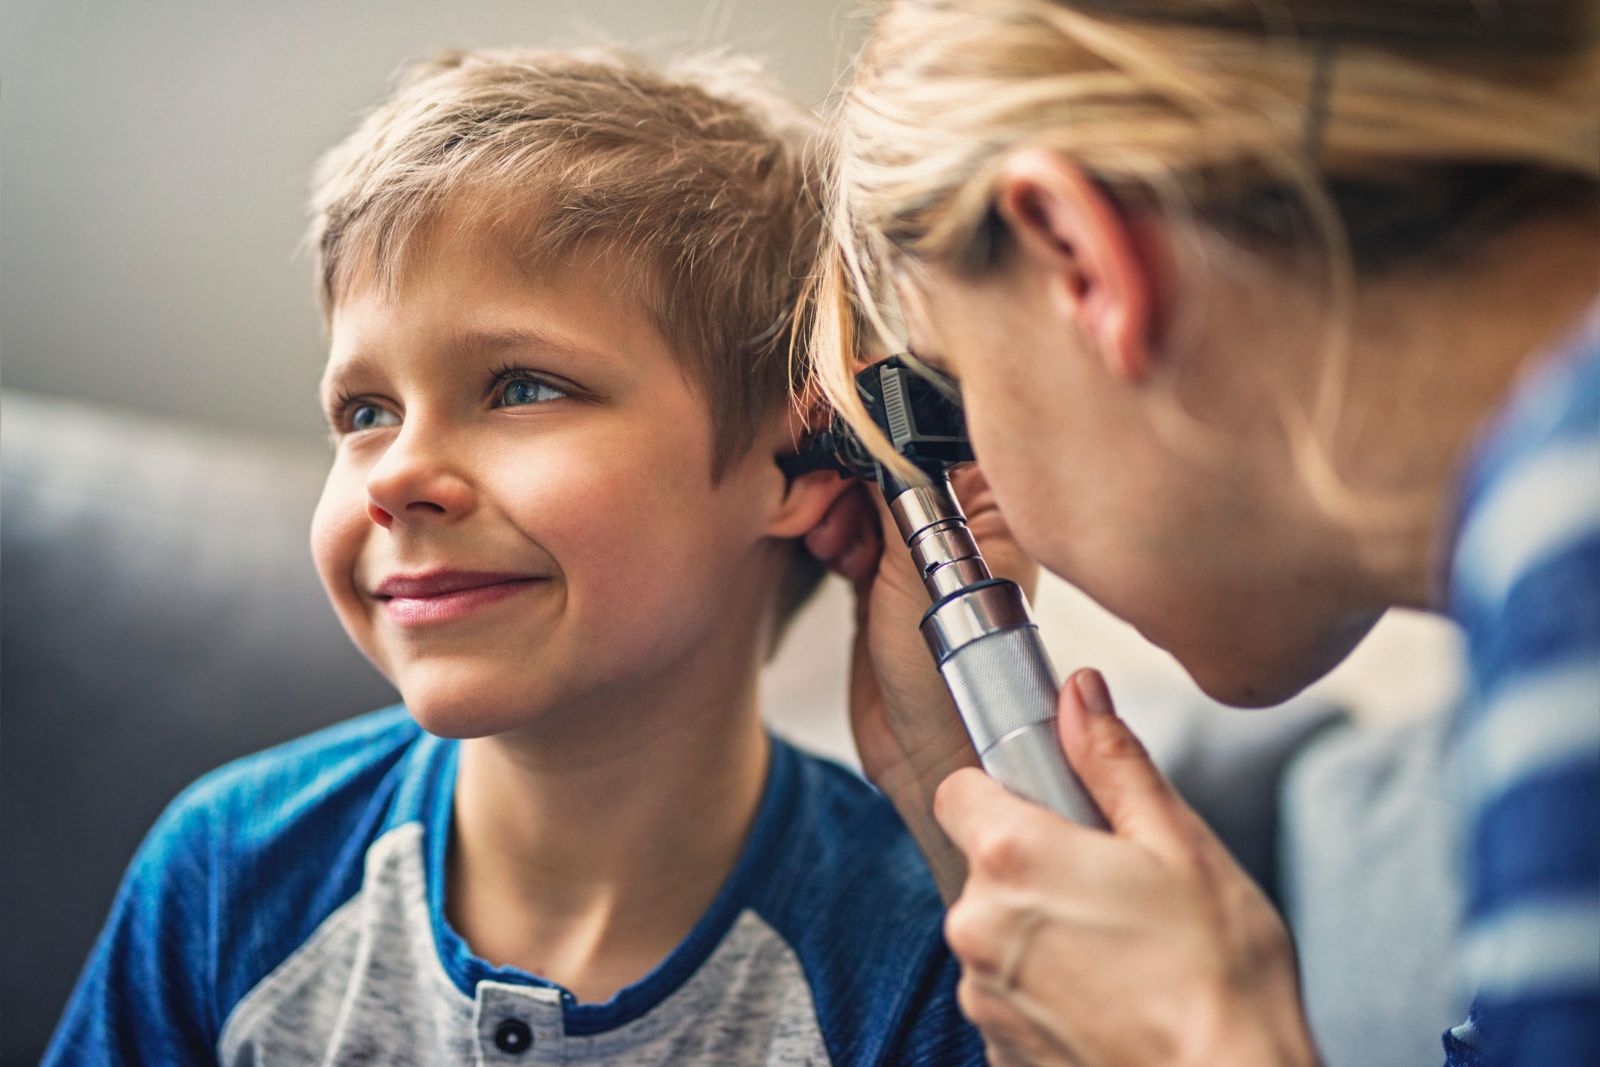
698, 175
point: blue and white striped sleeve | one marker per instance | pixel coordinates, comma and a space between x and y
1526, 754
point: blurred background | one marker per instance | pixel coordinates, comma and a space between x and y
159, 353
157, 155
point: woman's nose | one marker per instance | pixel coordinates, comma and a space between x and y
416, 482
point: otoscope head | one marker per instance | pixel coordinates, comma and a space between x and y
919, 412
977, 626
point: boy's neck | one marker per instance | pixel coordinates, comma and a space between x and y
586, 849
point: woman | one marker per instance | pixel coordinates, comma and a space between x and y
1267, 318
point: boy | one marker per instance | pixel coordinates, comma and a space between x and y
559, 291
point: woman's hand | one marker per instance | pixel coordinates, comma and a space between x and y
1146, 945
906, 729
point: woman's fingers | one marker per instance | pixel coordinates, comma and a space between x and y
1013, 1035
847, 539
973, 489
1111, 761
1061, 929
1000, 830
984, 518
1001, 834
1011, 841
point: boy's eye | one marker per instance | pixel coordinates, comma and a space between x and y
371, 417
522, 391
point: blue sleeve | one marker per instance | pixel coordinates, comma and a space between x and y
936, 1033
143, 997
1527, 752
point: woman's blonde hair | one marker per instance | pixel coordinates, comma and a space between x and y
1359, 131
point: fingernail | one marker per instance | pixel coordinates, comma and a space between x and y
1093, 692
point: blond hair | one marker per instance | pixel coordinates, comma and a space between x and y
697, 175
1360, 131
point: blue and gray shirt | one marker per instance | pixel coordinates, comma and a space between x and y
289, 909
1525, 587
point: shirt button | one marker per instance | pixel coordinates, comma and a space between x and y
513, 1036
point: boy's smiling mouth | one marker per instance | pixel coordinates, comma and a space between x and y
440, 596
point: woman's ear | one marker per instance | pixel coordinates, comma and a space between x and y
1065, 225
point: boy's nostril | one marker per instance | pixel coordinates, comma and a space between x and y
378, 515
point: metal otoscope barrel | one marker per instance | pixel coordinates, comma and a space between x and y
990, 653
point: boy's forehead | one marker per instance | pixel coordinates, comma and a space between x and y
469, 344
475, 240
477, 292
463, 242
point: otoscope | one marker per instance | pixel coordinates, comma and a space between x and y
978, 627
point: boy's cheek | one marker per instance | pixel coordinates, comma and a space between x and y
338, 527
600, 494
639, 535
331, 535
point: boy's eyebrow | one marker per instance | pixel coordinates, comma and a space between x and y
482, 342
333, 373
469, 344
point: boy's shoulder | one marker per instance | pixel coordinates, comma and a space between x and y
237, 871
281, 838
297, 818
856, 902
847, 828
254, 799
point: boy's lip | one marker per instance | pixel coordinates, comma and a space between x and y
440, 596
441, 583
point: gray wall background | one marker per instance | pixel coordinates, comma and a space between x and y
154, 159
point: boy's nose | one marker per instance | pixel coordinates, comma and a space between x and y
413, 485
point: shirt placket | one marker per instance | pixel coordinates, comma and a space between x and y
518, 1026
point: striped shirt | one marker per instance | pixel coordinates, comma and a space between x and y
1525, 588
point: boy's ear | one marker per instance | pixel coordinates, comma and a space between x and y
806, 500
1067, 226
806, 497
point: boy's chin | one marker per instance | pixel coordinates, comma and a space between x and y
461, 712
459, 723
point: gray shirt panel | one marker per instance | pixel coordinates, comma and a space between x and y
368, 988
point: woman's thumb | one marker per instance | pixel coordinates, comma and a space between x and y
1109, 758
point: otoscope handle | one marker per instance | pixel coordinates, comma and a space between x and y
978, 626
1004, 688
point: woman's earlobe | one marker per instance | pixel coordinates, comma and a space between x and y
1070, 227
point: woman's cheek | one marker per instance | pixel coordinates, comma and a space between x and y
1019, 495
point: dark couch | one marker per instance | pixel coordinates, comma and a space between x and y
160, 616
